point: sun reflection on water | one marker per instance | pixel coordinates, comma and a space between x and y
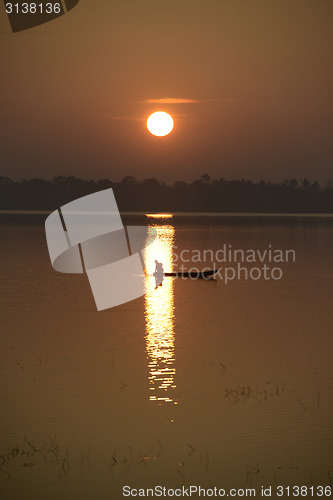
159, 315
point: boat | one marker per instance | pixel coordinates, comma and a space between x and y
190, 274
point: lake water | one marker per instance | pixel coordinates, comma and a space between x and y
197, 383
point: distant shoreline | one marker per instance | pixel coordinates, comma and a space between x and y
216, 197
187, 214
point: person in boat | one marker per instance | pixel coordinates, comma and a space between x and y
159, 270
159, 273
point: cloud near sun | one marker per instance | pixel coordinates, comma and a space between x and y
177, 100
173, 100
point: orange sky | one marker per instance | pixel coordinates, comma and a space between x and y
256, 77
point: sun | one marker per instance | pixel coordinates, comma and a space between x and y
160, 123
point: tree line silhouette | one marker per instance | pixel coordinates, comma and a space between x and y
201, 195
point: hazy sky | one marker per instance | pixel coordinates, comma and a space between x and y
76, 92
